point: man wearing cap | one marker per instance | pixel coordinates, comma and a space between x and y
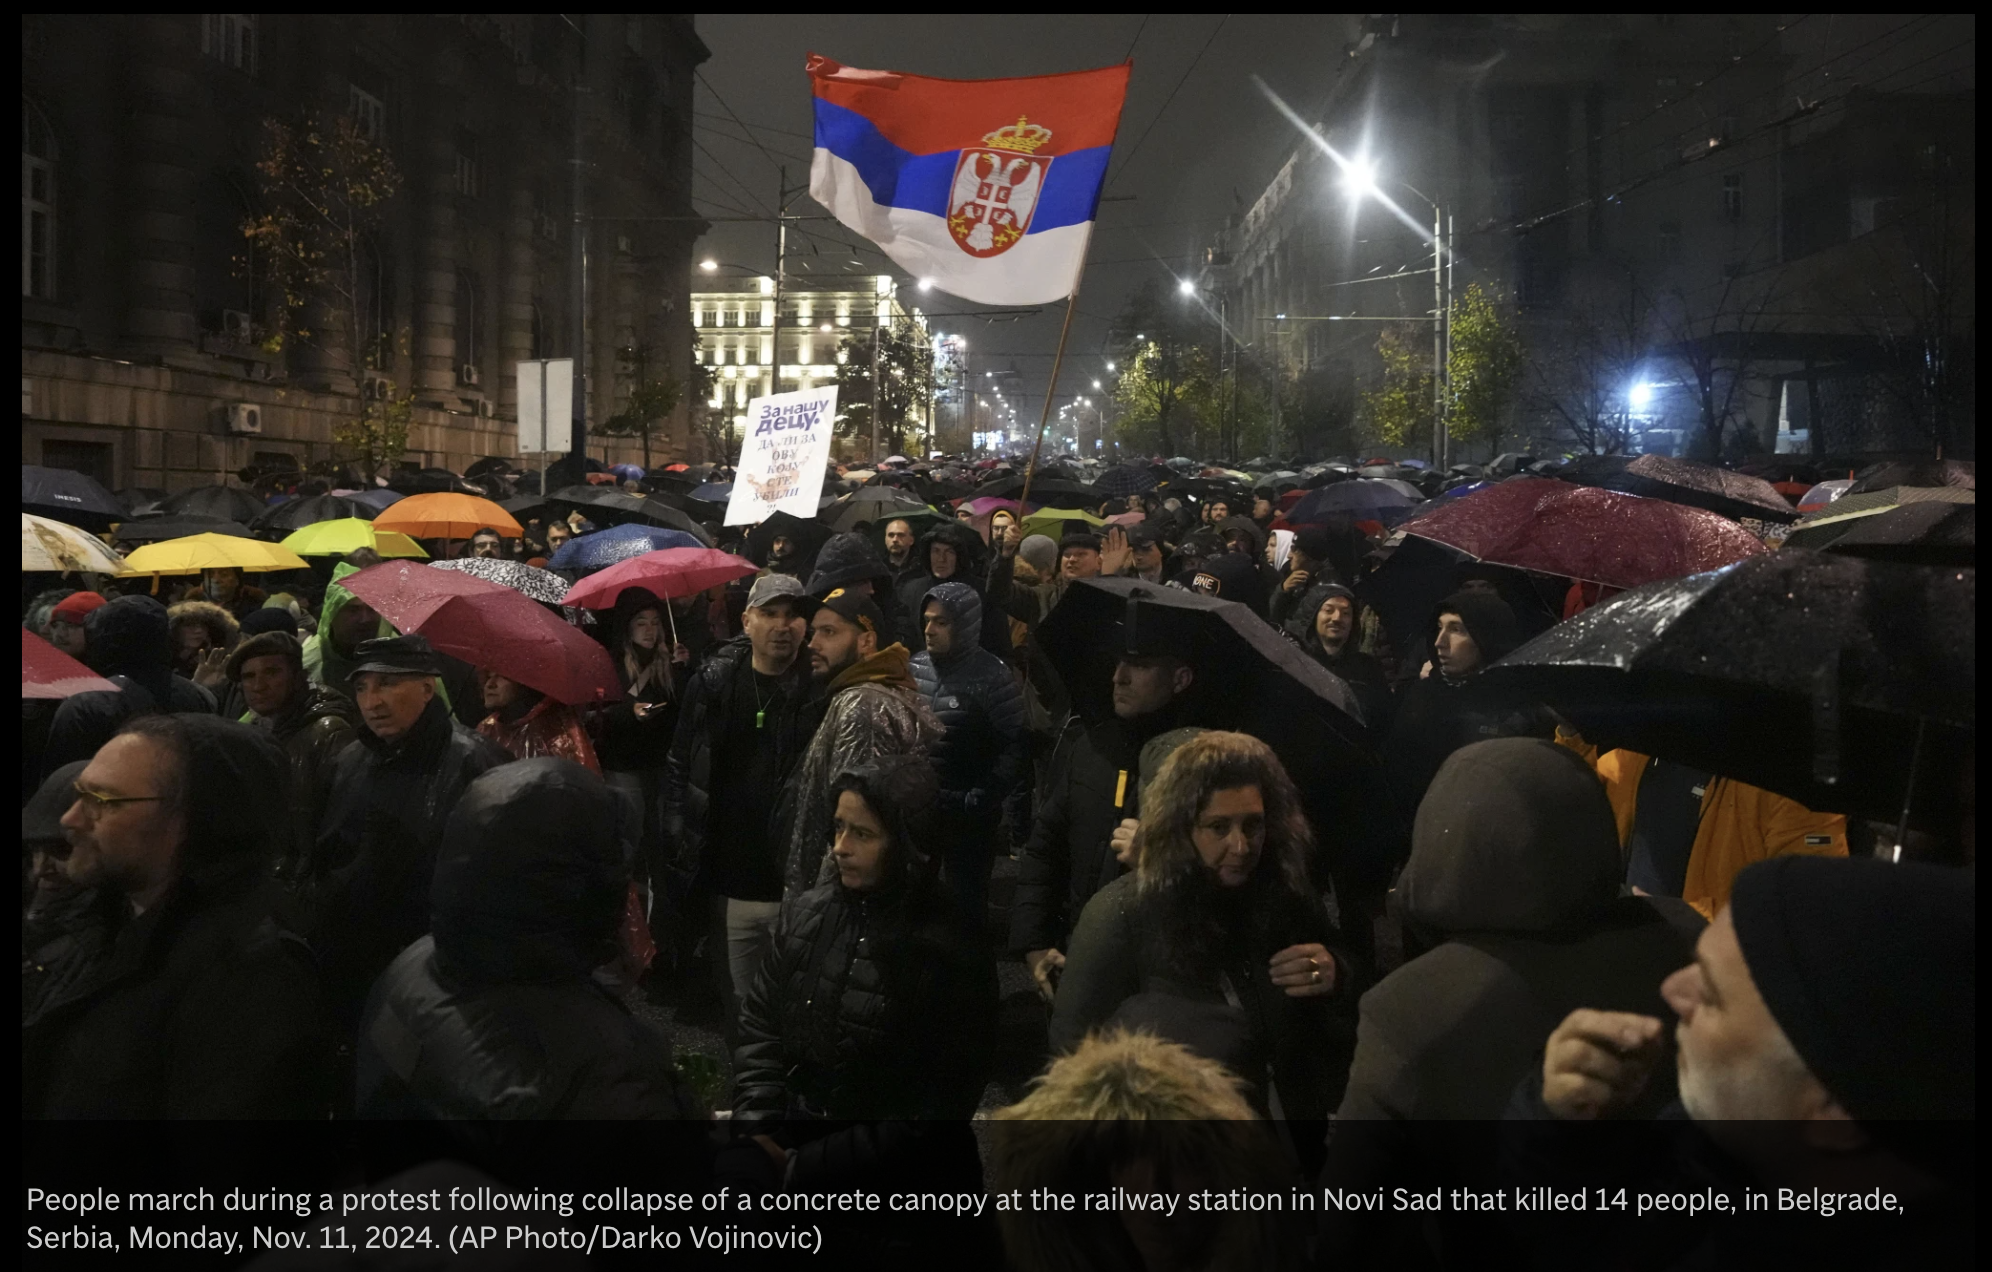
848, 560
312, 724
367, 889
1146, 554
1089, 791
741, 727
872, 708
197, 1004
1826, 1038
984, 749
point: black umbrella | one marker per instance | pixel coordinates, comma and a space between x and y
66, 495
296, 514
1915, 534
159, 529
872, 504
224, 503
1929, 472
1820, 676
1249, 677
1683, 481
1051, 492
135, 497
628, 507
1128, 479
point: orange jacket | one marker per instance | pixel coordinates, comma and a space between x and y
1739, 824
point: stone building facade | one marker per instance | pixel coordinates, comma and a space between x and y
143, 356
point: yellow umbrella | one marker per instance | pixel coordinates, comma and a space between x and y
199, 552
349, 534
51, 545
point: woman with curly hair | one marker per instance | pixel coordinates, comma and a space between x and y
1217, 940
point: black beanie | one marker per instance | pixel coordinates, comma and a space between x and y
1487, 618
1869, 968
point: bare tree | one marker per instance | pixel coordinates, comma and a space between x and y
1583, 366
1710, 335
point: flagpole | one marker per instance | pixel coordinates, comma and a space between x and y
1057, 360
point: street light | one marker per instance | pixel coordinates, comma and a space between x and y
1360, 178
1224, 336
1187, 287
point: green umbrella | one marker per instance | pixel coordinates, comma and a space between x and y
348, 534
1051, 522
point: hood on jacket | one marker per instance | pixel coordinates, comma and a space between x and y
336, 599
847, 558
529, 882
1247, 527
904, 793
128, 636
969, 548
891, 666
963, 606
1301, 625
1513, 835
1488, 619
1229, 576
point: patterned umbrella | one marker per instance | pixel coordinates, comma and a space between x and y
1128, 479
540, 585
57, 546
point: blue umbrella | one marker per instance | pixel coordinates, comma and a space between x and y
712, 492
604, 548
376, 499
628, 472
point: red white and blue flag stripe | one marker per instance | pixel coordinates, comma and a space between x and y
986, 188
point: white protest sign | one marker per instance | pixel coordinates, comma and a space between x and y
782, 456
546, 405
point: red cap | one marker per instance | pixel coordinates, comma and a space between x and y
73, 607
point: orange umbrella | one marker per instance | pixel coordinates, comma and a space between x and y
446, 515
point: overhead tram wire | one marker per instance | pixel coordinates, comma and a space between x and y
736, 119
1164, 109
1143, 26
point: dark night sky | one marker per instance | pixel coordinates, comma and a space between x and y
1214, 136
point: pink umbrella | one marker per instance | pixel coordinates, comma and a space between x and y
1583, 532
489, 626
47, 672
668, 573
989, 503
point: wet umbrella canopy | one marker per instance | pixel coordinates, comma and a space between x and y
540, 585
296, 514
606, 547
159, 529
1358, 500
1128, 479
224, 503
1684, 481
872, 504
66, 495
651, 509
1582, 532
667, 574
47, 672
1803, 673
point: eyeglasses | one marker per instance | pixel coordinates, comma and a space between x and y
96, 803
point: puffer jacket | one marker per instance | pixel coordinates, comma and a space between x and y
868, 1005
708, 703
984, 745
495, 1015
875, 709
367, 893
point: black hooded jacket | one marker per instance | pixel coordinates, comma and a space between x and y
849, 560
875, 1005
496, 1015
368, 887
204, 1006
128, 641
1437, 715
1363, 673
983, 754
973, 567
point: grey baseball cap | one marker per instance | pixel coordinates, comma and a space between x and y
775, 587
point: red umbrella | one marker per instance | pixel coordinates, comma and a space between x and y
47, 672
491, 627
668, 573
1584, 532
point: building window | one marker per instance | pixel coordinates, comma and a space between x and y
37, 204
376, 306
467, 350
230, 38
369, 113
466, 163
1732, 196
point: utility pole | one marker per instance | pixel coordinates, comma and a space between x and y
781, 271
1438, 339
879, 320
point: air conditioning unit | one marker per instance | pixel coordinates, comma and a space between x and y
467, 375
374, 387
485, 409
235, 326
245, 417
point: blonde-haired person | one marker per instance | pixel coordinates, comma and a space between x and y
1130, 1110
1217, 939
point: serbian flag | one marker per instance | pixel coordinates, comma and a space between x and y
985, 188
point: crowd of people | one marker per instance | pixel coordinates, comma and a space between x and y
298, 864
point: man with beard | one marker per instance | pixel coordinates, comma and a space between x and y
899, 539
1090, 791
872, 708
740, 729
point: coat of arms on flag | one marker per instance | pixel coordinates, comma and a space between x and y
987, 188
